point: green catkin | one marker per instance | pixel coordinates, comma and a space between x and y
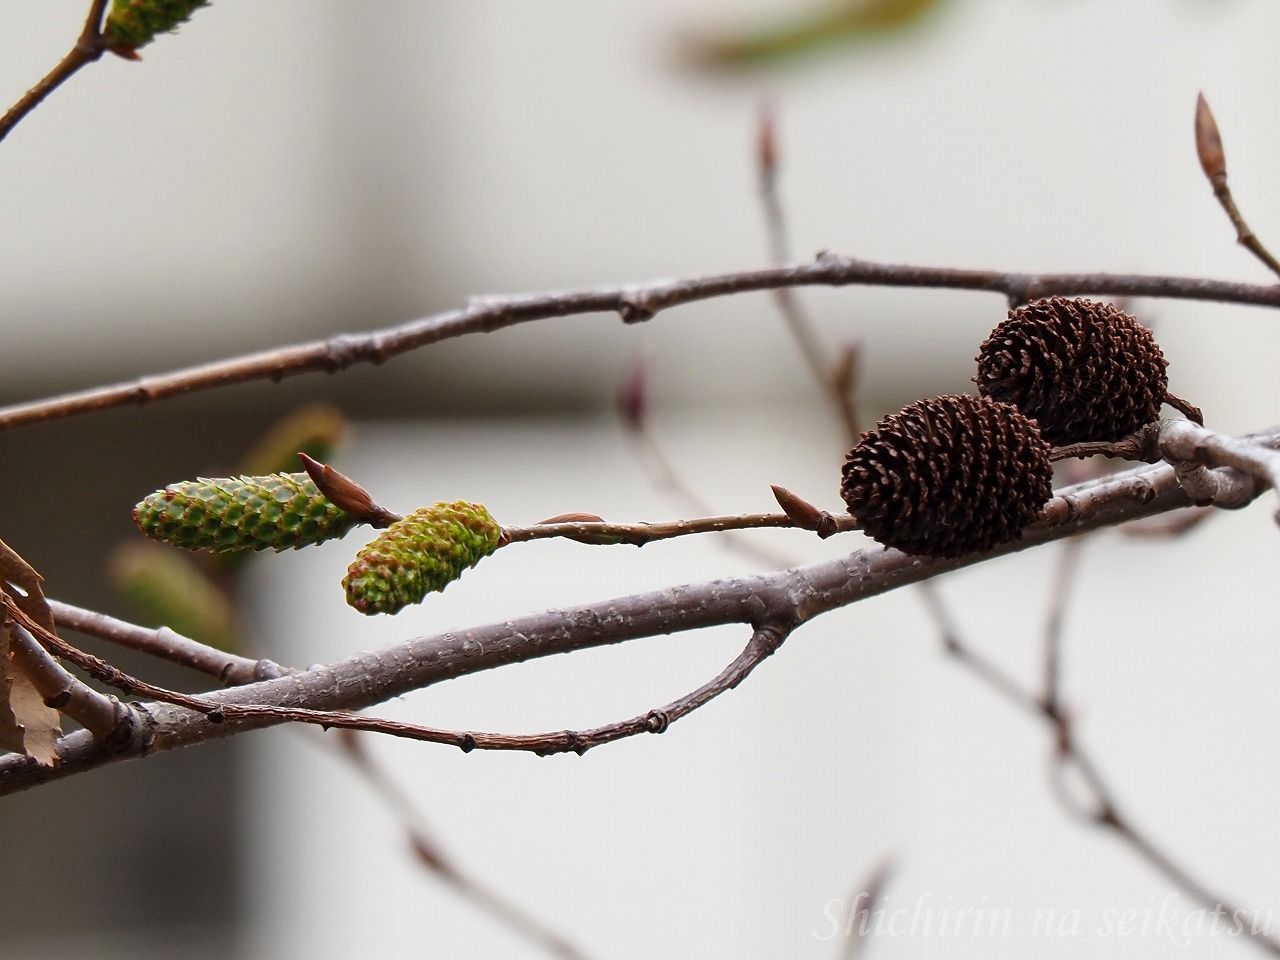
135, 23
420, 554
277, 512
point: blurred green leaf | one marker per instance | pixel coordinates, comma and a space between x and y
167, 588
824, 26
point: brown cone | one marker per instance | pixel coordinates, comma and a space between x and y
948, 476
1082, 370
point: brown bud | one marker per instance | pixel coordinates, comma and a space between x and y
572, 518
1213, 160
606, 539
801, 512
346, 494
767, 141
844, 374
633, 395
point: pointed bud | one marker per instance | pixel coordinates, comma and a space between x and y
1213, 160
604, 539
845, 372
801, 512
633, 395
767, 142
346, 494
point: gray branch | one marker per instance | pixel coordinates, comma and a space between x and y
792, 596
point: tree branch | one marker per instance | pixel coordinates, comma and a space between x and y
638, 534
632, 302
1213, 161
106, 718
790, 596
88, 48
166, 644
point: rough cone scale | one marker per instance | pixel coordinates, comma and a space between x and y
420, 554
948, 476
1083, 370
277, 512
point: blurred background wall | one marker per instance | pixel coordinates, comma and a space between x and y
288, 170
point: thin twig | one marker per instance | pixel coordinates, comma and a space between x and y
803, 331
166, 644
979, 664
638, 534
1060, 590
109, 720
857, 931
89, 47
1213, 161
632, 302
662, 473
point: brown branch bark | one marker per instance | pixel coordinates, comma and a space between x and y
791, 596
108, 720
638, 534
1213, 161
633, 303
88, 48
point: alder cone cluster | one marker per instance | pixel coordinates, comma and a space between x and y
948, 476
1082, 370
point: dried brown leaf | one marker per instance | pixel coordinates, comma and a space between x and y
26, 724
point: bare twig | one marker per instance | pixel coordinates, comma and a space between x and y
1060, 587
790, 596
632, 302
979, 664
835, 380
1184, 443
106, 718
165, 644
857, 931
1213, 162
638, 534
89, 47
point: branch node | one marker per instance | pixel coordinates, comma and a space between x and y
657, 721
636, 309
468, 743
